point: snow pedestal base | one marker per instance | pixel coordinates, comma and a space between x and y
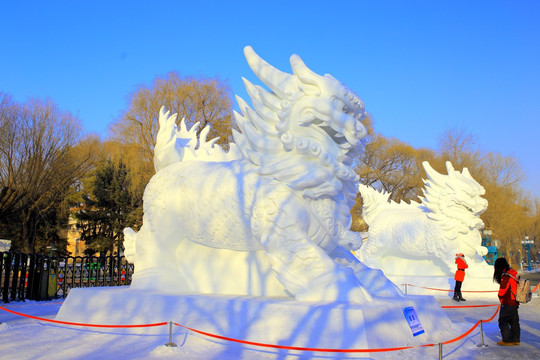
278, 321
473, 287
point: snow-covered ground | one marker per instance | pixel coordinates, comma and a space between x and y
24, 338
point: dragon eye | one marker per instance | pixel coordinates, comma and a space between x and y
338, 103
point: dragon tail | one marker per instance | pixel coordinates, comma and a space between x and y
175, 144
373, 202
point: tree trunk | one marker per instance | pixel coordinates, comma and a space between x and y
29, 226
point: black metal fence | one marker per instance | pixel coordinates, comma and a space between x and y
39, 277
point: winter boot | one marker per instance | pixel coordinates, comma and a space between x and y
456, 297
461, 297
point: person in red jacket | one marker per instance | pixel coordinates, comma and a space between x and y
459, 276
508, 315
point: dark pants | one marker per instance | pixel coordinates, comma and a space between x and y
509, 323
457, 289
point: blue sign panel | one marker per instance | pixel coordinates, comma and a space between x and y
414, 322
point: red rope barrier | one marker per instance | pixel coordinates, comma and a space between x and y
79, 324
474, 327
285, 347
469, 291
466, 306
493, 316
338, 350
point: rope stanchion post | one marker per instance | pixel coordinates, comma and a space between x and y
170, 343
482, 335
440, 351
405, 288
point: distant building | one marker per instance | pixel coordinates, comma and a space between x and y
5, 245
75, 246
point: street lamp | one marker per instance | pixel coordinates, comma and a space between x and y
52, 248
528, 244
491, 256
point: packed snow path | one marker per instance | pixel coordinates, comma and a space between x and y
24, 338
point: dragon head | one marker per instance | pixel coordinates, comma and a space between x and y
305, 98
305, 121
456, 198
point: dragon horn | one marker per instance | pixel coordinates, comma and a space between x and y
278, 81
450, 170
304, 73
433, 175
467, 174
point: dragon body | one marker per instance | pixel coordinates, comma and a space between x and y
271, 216
422, 238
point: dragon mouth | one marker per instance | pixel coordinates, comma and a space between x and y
476, 210
339, 138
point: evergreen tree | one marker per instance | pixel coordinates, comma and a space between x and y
107, 210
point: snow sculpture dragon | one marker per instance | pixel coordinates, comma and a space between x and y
271, 216
427, 233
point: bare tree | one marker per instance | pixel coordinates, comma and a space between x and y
394, 166
391, 165
38, 161
461, 149
204, 100
11, 156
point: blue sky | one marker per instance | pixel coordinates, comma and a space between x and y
421, 67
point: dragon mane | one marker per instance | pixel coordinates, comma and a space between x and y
306, 120
454, 200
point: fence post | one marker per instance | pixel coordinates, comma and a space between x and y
24, 277
15, 276
170, 343
111, 270
440, 351
31, 275
1, 272
7, 275
48, 266
405, 288
481, 335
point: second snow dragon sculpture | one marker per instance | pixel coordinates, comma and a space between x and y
269, 218
422, 238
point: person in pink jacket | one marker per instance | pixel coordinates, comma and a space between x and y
459, 276
508, 316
